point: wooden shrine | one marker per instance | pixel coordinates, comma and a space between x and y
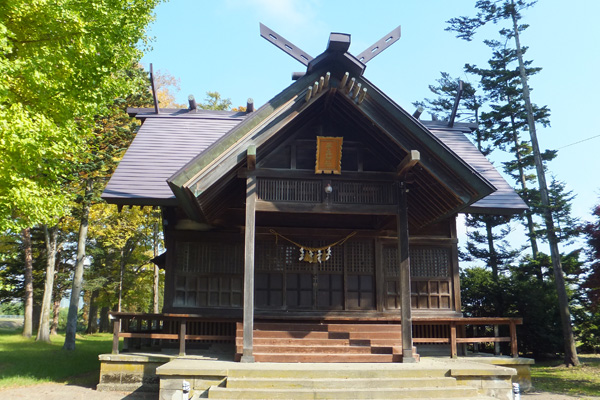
330, 204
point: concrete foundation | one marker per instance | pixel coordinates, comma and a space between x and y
484, 377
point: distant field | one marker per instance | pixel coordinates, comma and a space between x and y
11, 323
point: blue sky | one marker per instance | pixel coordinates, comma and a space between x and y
215, 46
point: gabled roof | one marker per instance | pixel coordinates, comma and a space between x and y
504, 200
163, 144
202, 151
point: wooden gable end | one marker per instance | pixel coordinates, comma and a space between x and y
377, 134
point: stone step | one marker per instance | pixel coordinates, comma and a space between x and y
338, 383
457, 392
378, 371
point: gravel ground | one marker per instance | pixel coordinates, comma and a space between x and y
56, 391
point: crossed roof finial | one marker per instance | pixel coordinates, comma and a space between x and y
337, 42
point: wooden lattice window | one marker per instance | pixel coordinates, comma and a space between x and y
363, 193
210, 257
430, 262
360, 257
302, 191
424, 261
430, 277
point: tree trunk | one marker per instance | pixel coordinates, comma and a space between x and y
121, 274
491, 249
563, 300
78, 277
51, 238
155, 287
28, 322
55, 315
528, 213
104, 320
93, 313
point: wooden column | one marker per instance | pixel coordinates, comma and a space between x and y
182, 333
404, 259
250, 236
116, 331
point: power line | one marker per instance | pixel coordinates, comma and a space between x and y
581, 141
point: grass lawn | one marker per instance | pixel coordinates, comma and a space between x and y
27, 362
584, 380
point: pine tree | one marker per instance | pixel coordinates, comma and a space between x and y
509, 13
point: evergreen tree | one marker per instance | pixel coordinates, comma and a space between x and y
508, 12
505, 120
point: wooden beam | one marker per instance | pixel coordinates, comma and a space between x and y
250, 236
251, 157
411, 159
322, 208
404, 259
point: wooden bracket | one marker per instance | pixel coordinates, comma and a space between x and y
411, 159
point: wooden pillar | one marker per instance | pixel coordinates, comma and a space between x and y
514, 351
116, 331
453, 351
250, 236
404, 259
182, 333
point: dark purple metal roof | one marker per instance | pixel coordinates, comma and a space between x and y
168, 141
504, 200
164, 143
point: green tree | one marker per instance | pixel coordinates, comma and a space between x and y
508, 12
60, 64
589, 315
214, 101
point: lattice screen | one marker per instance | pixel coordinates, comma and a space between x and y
208, 257
311, 191
430, 261
360, 257
363, 193
303, 191
283, 256
424, 261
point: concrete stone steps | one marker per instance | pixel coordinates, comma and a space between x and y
336, 372
338, 383
347, 393
428, 379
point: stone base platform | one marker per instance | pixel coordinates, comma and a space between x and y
214, 374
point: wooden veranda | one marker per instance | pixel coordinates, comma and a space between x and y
181, 330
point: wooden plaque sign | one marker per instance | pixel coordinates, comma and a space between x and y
329, 155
